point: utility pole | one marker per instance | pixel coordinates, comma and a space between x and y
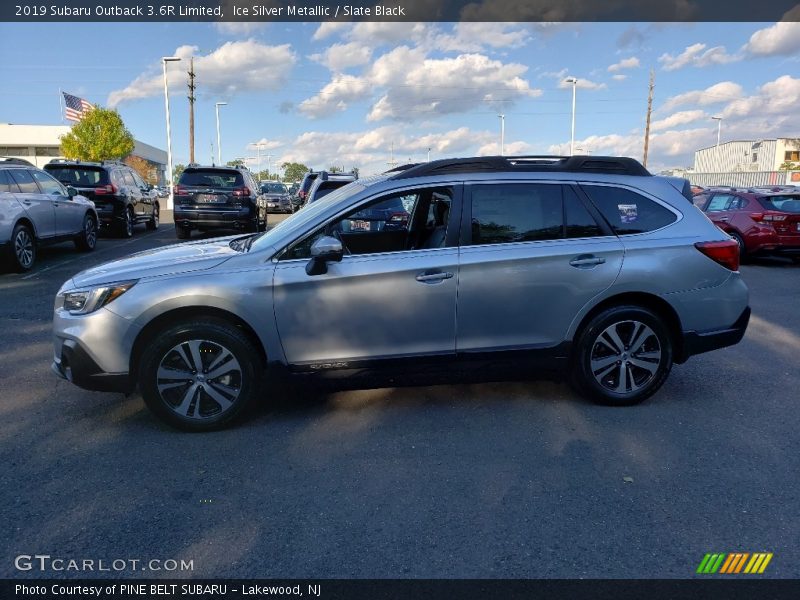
392, 162
269, 166
191, 110
649, 112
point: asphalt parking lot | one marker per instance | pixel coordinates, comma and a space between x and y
501, 480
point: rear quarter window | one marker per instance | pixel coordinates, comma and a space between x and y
5, 185
628, 212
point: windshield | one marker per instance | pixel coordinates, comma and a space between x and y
789, 203
273, 188
79, 176
216, 178
310, 214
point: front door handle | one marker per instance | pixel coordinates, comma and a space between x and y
433, 277
587, 260
724, 218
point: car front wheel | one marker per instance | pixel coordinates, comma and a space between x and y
622, 356
87, 238
200, 375
152, 224
23, 248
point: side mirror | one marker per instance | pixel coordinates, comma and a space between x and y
326, 249
71, 192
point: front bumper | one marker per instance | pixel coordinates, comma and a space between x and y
695, 342
75, 365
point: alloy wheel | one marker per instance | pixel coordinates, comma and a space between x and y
90, 233
625, 357
23, 248
199, 379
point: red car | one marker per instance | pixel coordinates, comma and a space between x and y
761, 221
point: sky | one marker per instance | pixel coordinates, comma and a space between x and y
362, 95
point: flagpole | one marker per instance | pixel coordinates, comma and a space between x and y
61, 104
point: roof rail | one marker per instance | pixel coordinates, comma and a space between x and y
402, 168
493, 164
15, 161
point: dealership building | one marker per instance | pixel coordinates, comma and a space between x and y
39, 144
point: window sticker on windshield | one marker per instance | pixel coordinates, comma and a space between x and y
628, 212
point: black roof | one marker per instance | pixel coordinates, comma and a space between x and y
496, 164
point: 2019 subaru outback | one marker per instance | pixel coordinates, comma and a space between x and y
586, 264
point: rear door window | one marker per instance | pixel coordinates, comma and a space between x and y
511, 212
24, 181
628, 212
578, 222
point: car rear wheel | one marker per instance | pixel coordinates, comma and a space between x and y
200, 375
739, 240
622, 356
87, 238
126, 228
152, 224
182, 233
23, 248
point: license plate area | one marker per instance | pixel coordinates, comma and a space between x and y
360, 225
210, 199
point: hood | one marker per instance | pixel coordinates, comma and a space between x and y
178, 258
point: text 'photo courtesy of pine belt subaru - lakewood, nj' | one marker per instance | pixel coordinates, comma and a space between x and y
589, 267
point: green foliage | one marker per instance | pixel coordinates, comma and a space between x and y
177, 170
100, 135
293, 171
235, 163
789, 166
335, 169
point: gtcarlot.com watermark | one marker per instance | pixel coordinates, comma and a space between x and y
44, 563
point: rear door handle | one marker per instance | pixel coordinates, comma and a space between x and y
433, 277
587, 260
724, 218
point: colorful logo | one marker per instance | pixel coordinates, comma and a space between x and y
734, 562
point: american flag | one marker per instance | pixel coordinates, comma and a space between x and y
76, 107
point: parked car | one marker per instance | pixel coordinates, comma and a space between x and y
326, 183
217, 198
120, 195
587, 265
305, 185
35, 210
277, 197
762, 221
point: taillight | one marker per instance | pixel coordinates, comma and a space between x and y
724, 253
177, 190
242, 191
106, 189
302, 195
767, 216
399, 217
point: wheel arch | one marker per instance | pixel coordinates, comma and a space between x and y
29, 224
171, 317
650, 301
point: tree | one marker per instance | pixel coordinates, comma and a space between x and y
100, 135
293, 171
144, 168
789, 166
235, 163
334, 169
177, 171
354, 170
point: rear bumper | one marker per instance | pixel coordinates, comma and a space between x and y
75, 365
695, 342
220, 219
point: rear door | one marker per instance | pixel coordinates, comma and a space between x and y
40, 207
535, 255
68, 214
134, 194
146, 195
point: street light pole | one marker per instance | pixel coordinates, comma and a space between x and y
574, 83
219, 147
164, 61
502, 134
719, 127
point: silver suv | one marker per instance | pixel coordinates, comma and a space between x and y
35, 210
587, 264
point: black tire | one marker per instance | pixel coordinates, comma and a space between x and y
23, 248
182, 233
87, 238
742, 250
191, 400
126, 227
622, 376
152, 224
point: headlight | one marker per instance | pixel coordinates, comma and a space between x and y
82, 302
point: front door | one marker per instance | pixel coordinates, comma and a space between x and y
39, 206
392, 296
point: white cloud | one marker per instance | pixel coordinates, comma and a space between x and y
677, 119
265, 144
510, 149
474, 37
725, 91
239, 28
583, 84
696, 55
329, 28
619, 77
443, 86
780, 97
625, 63
341, 56
780, 39
232, 68
335, 96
